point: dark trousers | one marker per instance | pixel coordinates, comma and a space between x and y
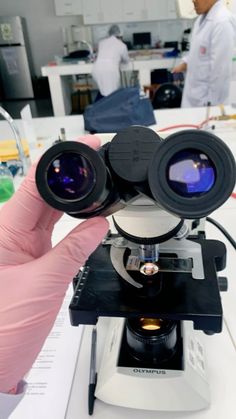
98, 97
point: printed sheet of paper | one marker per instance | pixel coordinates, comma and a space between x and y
51, 377
28, 125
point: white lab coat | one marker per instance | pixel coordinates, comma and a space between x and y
106, 69
209, 62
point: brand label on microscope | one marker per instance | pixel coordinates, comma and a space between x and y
149, 372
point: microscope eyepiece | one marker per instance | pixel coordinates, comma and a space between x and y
192, 173
72, 177
189, 174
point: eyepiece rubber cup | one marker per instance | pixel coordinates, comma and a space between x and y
221, 182
71, 177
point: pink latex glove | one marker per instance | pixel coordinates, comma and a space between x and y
34, 276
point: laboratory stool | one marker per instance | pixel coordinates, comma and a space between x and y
81, 97
150, 89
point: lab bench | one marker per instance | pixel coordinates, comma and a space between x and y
59, 77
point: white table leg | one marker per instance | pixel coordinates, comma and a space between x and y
60, 95
144, 77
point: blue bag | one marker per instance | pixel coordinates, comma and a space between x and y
119, 110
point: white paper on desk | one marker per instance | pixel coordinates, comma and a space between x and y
51, 377
28, 125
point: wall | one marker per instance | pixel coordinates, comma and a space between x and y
233, 6
44, 27
168, 30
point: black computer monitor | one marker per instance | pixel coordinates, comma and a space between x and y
142, 38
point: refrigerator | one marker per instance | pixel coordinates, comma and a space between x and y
15, 65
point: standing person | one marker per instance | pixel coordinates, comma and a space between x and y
111, 53
209, 62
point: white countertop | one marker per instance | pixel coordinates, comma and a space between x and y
59, 76
48, 128
139, 63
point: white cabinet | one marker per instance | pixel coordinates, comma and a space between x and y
77, 7
112, 11
172, 9
147, 10
92, 12
135, 10
102, 11
156, 9
68, 7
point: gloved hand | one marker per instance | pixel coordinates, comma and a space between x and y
34, 276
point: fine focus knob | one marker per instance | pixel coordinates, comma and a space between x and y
223, 283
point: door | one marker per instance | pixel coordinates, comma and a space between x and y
15, 73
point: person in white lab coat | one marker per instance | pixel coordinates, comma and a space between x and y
208, 65
111, 53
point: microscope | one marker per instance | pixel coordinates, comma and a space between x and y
157, 277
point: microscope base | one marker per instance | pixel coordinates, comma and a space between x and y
151, 388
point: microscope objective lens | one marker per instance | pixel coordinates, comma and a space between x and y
149, 252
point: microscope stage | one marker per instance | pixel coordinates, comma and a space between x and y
99, 291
